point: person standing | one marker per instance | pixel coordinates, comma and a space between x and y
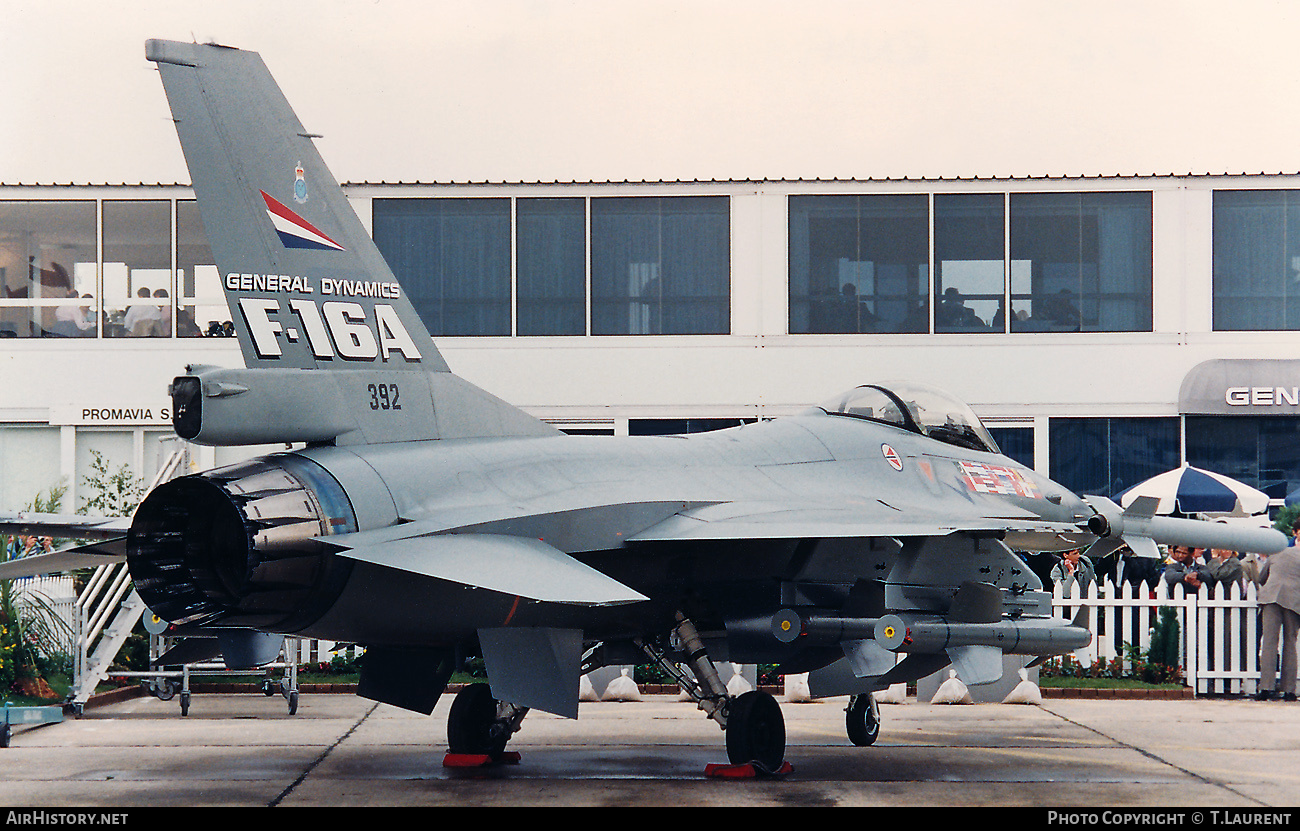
1279, 611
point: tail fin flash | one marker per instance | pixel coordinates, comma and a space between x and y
307, 287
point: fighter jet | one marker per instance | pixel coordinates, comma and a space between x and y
868, 540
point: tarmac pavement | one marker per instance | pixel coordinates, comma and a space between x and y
340, 750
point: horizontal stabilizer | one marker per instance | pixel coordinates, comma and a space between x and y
64, 525
94, 555
510, 565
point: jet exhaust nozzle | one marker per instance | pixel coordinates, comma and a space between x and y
238, 546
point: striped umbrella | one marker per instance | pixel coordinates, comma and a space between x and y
1191, 490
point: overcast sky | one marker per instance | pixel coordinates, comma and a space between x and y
442, 90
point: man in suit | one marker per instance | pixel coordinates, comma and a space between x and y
1279, 609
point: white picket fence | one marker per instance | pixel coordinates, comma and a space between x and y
1218, 628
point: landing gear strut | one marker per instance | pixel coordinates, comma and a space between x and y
754, 726
479, 725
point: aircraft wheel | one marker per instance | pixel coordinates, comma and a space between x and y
756, 731
293, 702
862, 718
472, 724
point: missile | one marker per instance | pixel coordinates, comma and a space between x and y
1140, 529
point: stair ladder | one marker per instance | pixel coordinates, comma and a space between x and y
108, 609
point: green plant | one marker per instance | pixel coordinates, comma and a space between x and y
1285, 518
116, 492
33, 637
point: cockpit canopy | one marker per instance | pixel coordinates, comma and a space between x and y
918, 408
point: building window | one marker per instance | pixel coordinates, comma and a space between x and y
1081, 262
1015, 443
452, 257
201, 307
1104, 456
48, 271
970, 265
137, 273
859, 264
1256, 260
629, 265
660, 265
551, 266
1262, 451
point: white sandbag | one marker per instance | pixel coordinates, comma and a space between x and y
738, 686
796, 688
622, 688
952, 691
1026, 692
586, 692
893, 694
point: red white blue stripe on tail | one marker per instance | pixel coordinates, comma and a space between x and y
294, 231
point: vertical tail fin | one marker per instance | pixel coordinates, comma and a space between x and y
306, 285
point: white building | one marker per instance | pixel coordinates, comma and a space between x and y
664, 307
1109, 327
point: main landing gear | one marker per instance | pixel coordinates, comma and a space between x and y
478, 727
754, 726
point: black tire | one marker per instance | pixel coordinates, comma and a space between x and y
471, 723
293, 702
185, 703
862, 718
756, 731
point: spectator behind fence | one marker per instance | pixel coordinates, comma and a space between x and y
1185, 568
1074, 568
1279, 613
1138, 571
1222, 568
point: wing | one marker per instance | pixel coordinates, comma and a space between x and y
854, 518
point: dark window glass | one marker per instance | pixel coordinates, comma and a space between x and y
452, 257
1256, 260
1081, 262
680, 426
859, 264
551, 266
969, 241
1016, 443
1263, 452
661, 265
1104, 456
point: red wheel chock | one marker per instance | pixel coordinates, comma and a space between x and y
478, 760
749, 770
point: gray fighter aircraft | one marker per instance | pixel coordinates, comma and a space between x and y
868, 541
